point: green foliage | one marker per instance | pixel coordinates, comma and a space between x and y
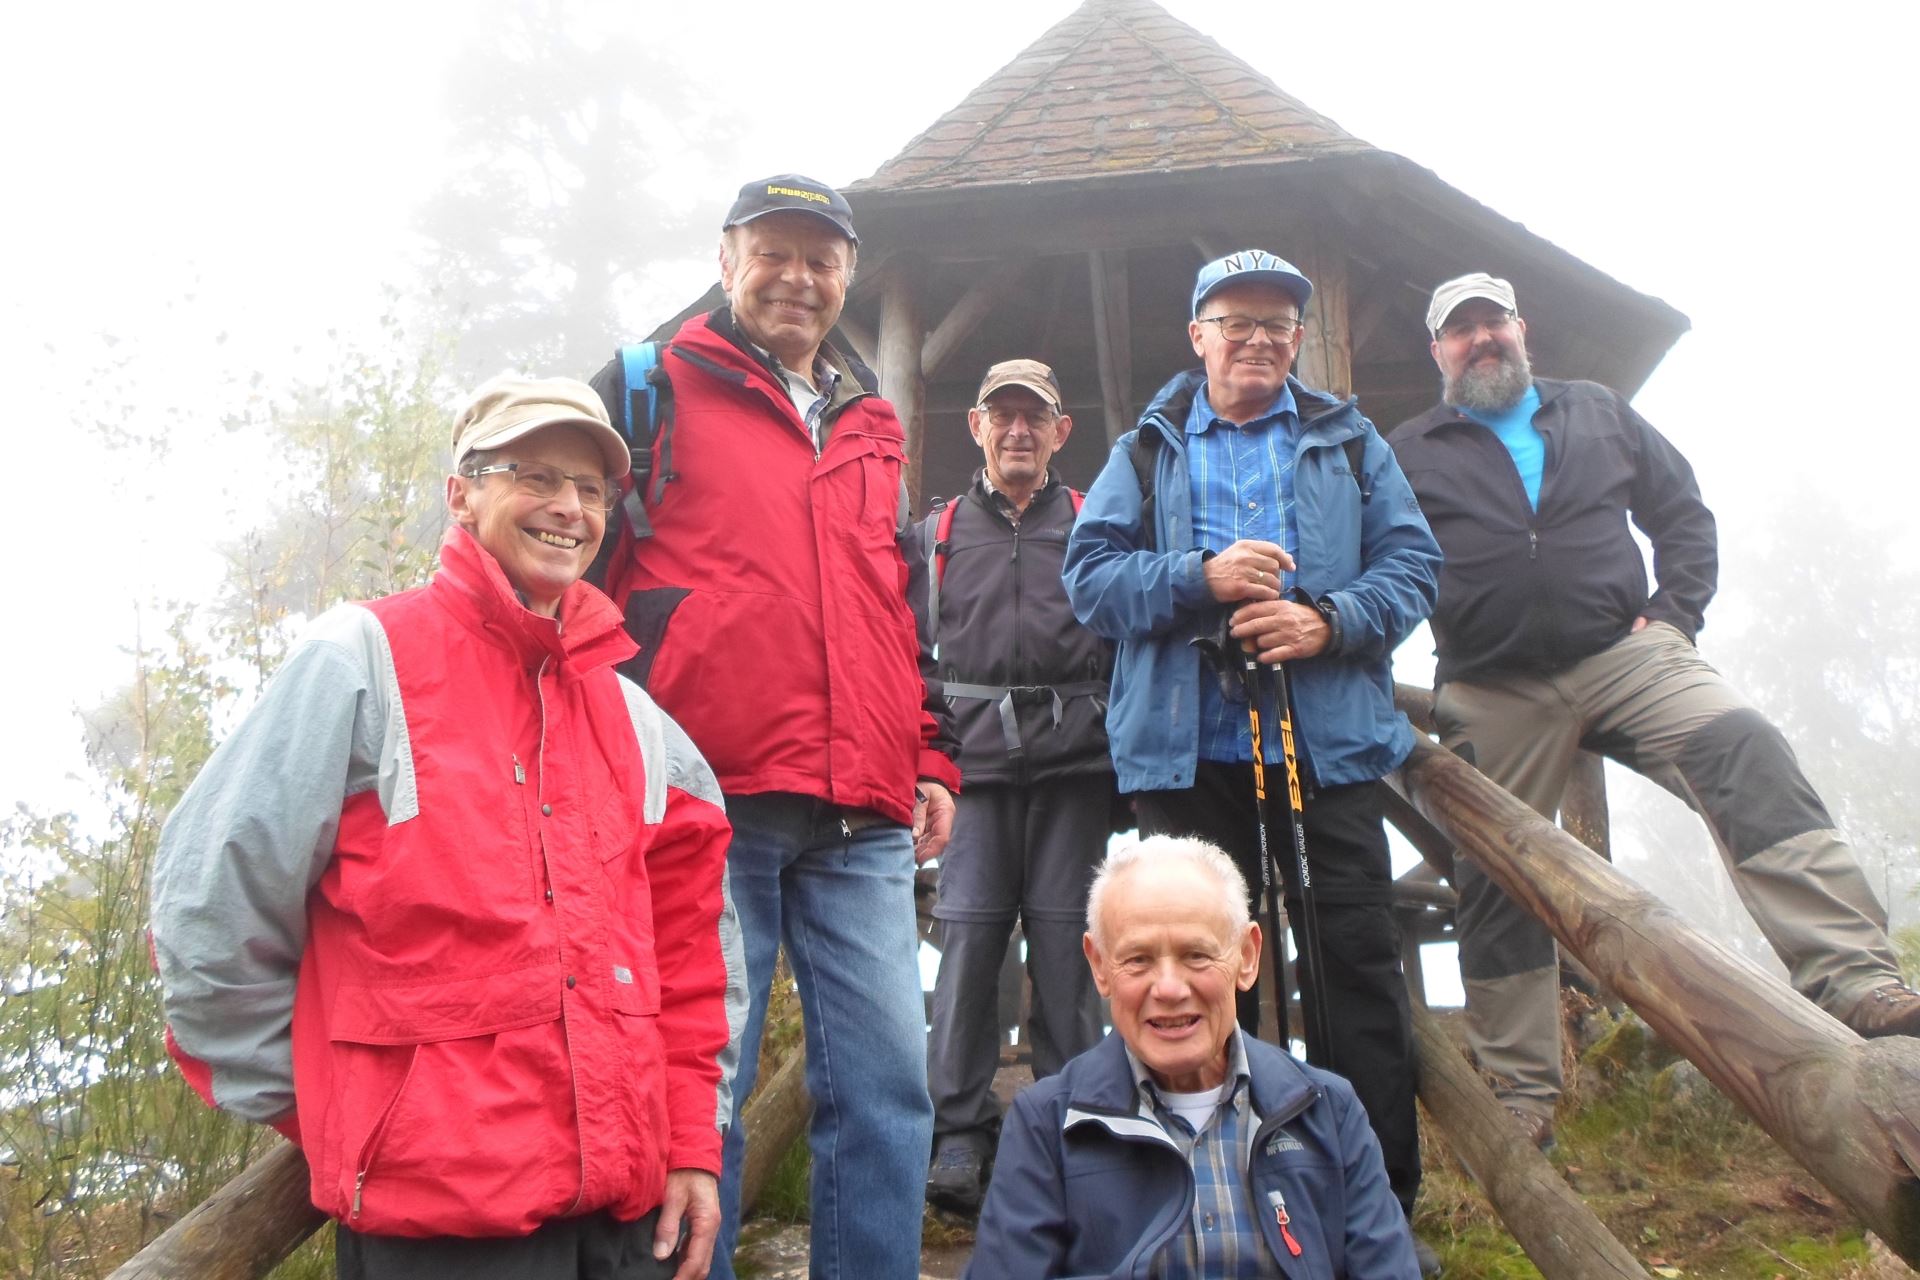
102, 1144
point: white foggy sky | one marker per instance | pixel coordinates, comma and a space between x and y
178, 173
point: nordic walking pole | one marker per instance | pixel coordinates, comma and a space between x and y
1316, 1012
1217, 653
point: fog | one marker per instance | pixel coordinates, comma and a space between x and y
208, 203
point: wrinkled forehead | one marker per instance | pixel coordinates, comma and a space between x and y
1261, 301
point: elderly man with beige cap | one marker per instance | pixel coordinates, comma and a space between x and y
1028, 686
1549, 642
449, 908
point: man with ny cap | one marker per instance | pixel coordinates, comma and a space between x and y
449, 910
1028, 685
767, 593
1549, 642
1247, 499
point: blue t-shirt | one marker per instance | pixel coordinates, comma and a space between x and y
1523, 440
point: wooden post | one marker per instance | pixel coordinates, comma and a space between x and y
1559, 1233
1846, 1108
902, 336
1326, 353
240, 1232
1113, 337
1583, 808
778, 1114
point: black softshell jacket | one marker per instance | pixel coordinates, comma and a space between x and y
1005, 622
1525, 590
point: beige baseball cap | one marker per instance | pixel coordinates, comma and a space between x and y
512, 405
1031, 374
1463, 289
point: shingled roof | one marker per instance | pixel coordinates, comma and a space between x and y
1118, 86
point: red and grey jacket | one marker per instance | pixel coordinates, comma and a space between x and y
770, 601
449, 908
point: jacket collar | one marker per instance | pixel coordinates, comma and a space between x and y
1102, 1088
1318, 411
717, 339
476, 590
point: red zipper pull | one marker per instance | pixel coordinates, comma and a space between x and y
1279, 1203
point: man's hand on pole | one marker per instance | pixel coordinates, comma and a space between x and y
932, 821
692, 1194
1280, 630
1247, 570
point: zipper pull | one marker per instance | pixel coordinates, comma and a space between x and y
359, 1180
519, 772
1279, 1203
1533, 545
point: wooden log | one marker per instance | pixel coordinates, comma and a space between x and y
241, 1231
1552, 1224
1583, 808
775, 1117
901, 340
1326, 350
1847, 1109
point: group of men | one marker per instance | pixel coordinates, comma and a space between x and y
481, 902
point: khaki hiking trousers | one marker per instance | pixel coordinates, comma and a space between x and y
1654, 704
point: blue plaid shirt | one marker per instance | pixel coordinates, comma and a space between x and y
1222, 1240
1241, 479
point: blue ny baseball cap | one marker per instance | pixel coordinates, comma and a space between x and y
1250, 266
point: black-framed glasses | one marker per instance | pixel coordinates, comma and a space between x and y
1456, 330
1005, 415
597, 493
1240, 328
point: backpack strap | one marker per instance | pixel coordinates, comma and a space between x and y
1146, 445
648, 417
937, 567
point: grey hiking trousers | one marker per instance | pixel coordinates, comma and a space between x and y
1651, 702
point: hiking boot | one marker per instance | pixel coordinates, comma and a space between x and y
957, 1179
1890, 1010
1429, 1260
1538, 1128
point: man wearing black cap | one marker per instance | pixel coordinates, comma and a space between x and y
766, 592
1028, 686
1248, 499
1550, 642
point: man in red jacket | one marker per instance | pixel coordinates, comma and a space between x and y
770, 605
448, 909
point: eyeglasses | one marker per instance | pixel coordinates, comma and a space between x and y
1457, 330
1005, 415
1240, 328
597, 493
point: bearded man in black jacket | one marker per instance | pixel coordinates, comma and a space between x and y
1549, 642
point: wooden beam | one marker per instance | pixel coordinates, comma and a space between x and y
902, 337
1560, 1234
1113, 338
1846, 1108
240, 1232
973, 306
1326, 353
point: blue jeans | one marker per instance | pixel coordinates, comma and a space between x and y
844, 907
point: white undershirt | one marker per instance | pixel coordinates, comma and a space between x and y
1195, 1108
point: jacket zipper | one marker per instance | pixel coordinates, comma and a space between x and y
1280, 1216
546, 863
371, 1146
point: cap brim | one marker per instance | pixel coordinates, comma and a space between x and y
843, 227
1040, 389
613, 449
1297, 285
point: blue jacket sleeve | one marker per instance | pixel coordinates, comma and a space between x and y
1399, 563
1023, 1232
1379, 1242
1119, 590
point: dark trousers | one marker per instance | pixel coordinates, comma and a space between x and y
1370, 1021
594, 1247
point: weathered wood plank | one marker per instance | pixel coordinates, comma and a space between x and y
902, 337
1113, 338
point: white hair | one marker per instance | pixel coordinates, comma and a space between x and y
1160, 851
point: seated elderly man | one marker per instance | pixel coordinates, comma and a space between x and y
1180, 1147
449, 908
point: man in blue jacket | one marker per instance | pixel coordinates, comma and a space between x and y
1180, 1147
1244, 496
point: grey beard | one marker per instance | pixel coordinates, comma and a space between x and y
1494, 390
